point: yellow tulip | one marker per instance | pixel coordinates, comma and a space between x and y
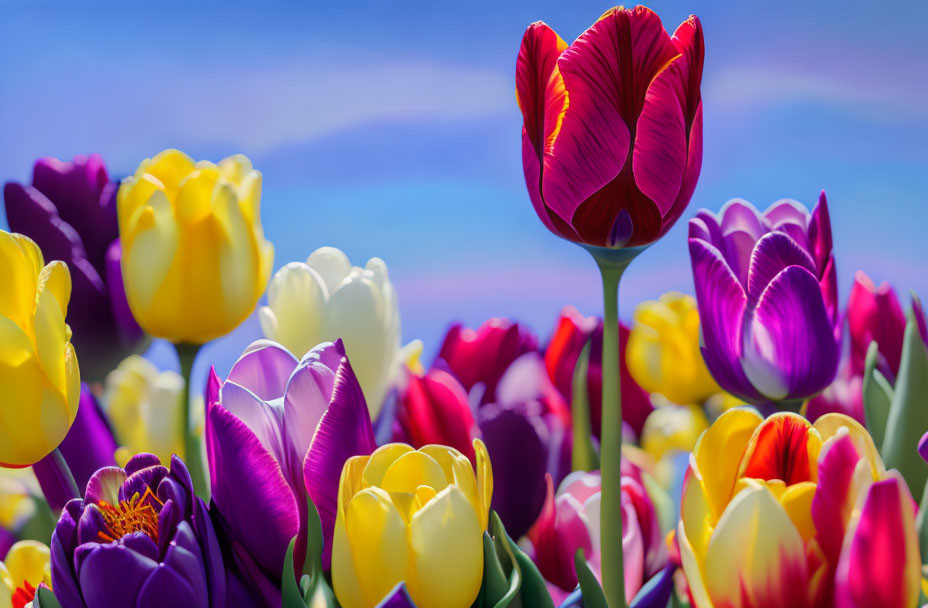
672, 428
194, 258
40, 382
411, 515
144, 406
663, 350
27, 564
19, 489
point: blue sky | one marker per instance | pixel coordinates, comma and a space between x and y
391, 129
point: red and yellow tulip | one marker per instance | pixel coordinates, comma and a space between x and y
782, 512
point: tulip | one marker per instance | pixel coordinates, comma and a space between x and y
416, 516
874, 313
70, 212
768, 299
40, 381
570, 521
291, 424
327, 298
663, 350
19, 496
672, 428
573, 331
139, 537
194, 257
782, 512
480, 357
844, 396
145, 407
433, 408
612, 126
24, 568
87, 447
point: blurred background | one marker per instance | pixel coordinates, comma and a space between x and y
391, 129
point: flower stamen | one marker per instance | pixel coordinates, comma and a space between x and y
138, 514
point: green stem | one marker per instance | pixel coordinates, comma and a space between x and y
186, 354
613, 571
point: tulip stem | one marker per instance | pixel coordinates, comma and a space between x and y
54, 473
612, 264
186, 354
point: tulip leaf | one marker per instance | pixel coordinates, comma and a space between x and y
534, 591
877, 395
312, 563
908, 416
921, 524
593, 596
584, 456
44, 598
289, 590
503, 551
511, 579
495, 582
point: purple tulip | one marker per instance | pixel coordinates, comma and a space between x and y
140, 537
87, 447
279, 430
527, 434
70, 212
768, 299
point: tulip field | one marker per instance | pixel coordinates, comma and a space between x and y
761, 443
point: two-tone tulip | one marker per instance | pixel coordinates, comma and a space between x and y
288, 425
663, 350
413, 516
612, 126
40, 382
572, 332
194, 257
782, 512
69, 210
768, 299
26, 566
139, 537
480, 357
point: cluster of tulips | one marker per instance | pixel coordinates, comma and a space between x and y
746, 448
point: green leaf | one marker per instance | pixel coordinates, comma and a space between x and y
921, 524
497, 532
877, 395
312, 563
593, 596
534, 591
584, 456
908, 414
495, 580
44, 598
289, 590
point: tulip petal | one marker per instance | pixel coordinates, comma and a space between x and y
783, 447
308, 394
264, 369
263, 495
718, 454
834, 498
344, 431
445, 539
165, 587
98, 585
398, 598
820, 243
774, 252
756, 557
789, 348
880, 563
296, 297
722, 304
264, 419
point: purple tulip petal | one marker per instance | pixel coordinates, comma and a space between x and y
101, 589
722, 304
344, 431
789, 344
705, 226
142, 480
126, 325
63, 543
141, 543
772, 253
263, 418
141, 461
250, 489
167, 587
820, 243
211, 551
784, 212
828, 285
183, 557
264, 369
397, 598
308, 393
656, 592
517, 445
30, 212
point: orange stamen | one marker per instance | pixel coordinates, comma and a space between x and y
138, 514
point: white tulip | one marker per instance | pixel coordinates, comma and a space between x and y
328, 298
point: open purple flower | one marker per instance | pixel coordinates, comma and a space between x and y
278, 430
768, 299
70, 212
140, 537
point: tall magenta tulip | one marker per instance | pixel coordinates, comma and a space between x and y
279, 430
768, 299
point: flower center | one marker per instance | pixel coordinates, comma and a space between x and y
138, 514
23, 595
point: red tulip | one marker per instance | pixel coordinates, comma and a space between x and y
572, 332
612, 126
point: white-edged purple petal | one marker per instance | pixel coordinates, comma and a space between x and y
264, 369
772, 253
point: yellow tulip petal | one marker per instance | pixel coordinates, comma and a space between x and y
21, 392
797, 502
696, 516
18, 257
447, 552
170, 167
345, 581
351, 480
51, 338
148, 258
28, 560
719, 452
692, 570
412, 470
458, 471
56, 279
830, 427
484, 480
756, 556
379, 546
380, 461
